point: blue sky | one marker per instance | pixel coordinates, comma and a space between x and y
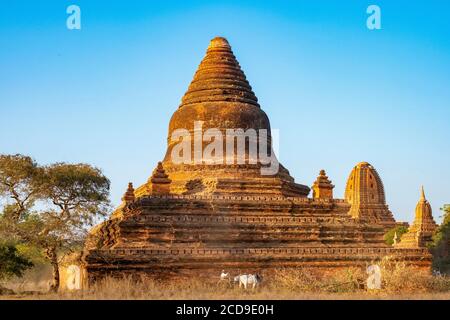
338, 92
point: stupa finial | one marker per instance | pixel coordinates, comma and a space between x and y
129, 196
422, 194
159, 181
322, 187
220, 80
218, 42
159, 174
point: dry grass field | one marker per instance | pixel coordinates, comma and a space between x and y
398, 282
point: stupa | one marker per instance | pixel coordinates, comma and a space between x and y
420, 233
322, 187
195, 216
220, 98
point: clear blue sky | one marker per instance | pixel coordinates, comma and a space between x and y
338, 92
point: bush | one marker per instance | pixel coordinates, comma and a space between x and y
389, 236
12, 262
441, 244
397, 277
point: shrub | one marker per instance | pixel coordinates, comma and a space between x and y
441, 244
12, 262
389, 236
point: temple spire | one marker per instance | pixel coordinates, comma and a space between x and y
220, 98
219, 78
322, 187
159, 181
422, 194
422, 229
129, 196
365, 193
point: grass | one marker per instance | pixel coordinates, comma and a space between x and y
398, 282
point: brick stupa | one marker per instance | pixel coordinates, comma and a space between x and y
194, 217
420, 233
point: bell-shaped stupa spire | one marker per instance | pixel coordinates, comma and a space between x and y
219, 78
221, 106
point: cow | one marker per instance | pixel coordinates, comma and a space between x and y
248, 279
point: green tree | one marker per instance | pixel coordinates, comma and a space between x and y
441, 243
12, 262
20, 188
389, 236
19, 185
76, 195
50, 207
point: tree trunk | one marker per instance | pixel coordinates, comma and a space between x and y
53, 257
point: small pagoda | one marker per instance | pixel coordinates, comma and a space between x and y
421, 231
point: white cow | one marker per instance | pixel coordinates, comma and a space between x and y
246, 279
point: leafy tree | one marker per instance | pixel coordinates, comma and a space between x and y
12, 262
50, 207
441, 243
389, 236
19, 183
20, 187
76, 195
